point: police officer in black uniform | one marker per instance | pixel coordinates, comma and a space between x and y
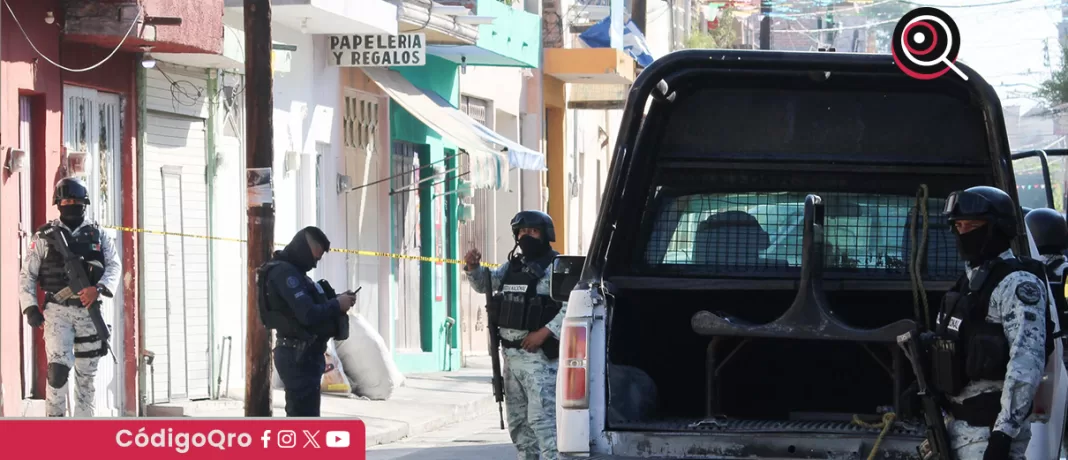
305, 314
72, 342
990, 341
529, 322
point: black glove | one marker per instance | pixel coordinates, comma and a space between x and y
34, 316
997, 448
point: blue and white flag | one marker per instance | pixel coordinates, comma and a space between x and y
633, 40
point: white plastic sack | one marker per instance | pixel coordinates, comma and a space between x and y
367, 361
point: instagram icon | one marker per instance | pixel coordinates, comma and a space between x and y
287, 439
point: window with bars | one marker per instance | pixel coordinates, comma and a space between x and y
360, 121
739, 233
476, 108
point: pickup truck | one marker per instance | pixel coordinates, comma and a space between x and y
772, 222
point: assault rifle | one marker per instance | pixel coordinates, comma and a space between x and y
75, 266
493, 308
936, 446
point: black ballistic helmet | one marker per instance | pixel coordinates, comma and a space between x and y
1049, 229
71, 188
534, 219
988, 204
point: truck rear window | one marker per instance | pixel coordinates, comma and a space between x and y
743, 233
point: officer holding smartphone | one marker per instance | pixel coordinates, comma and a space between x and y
305, 314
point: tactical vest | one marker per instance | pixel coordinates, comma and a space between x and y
85, 242
968, 348
522, 307
275, 312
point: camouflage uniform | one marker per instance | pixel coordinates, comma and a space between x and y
529, 379
63, 323
1022, 312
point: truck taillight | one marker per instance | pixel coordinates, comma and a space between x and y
574, 363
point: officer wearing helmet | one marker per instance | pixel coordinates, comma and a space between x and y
1050, 231
71, 340
529, 329
989, 346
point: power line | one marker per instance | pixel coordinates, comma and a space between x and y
98, 64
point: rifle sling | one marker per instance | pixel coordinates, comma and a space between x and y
61, 244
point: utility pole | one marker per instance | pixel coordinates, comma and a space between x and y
637, 14
259, 153
765, 25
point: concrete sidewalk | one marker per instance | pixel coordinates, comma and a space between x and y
424, 403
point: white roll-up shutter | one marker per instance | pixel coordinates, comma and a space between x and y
175, 200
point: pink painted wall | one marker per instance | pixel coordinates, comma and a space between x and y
22, 72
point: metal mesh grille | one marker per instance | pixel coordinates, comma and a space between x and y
762, 233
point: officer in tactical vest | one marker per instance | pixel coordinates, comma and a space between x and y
305, 314
71, 340
1050, 232
990, 341
529, 322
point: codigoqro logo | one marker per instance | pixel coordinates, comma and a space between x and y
926, 43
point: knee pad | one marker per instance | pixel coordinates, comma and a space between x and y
57, 375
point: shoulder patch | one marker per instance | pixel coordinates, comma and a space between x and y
293, 282
1028, 292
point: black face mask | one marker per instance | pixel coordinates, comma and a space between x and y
532, 248
72, 215
299, 253
981, 245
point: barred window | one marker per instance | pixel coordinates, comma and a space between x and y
762, 232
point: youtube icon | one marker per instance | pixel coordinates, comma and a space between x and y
337, 439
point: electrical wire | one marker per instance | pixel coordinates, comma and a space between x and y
116, 50
892, 21
774, 15
176, 90
980, 5
813, 31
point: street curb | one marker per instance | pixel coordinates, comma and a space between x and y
459, 413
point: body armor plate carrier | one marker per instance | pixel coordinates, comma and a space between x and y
967, 348
522, 308
85, 242
276, 313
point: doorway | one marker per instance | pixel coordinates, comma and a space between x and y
92, 126
31, 343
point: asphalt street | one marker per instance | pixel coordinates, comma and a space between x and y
481, 438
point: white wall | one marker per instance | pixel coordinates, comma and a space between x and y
229, 272
304, 118
587, 131
294, 96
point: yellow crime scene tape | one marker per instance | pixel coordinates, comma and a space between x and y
357, 252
